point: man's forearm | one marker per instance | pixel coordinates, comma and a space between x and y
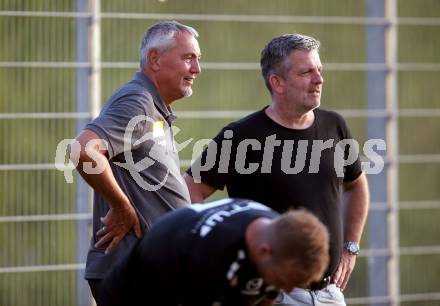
90, 156
121, 216
356, 196
198, 191
103, 182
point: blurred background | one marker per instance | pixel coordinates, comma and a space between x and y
61, 59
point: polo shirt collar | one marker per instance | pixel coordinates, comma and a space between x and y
167, 112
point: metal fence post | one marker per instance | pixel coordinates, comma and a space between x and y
392, 153
88, 99
378, 273
95, 45
82, 106
383, 272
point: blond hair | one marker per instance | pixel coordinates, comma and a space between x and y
300, 236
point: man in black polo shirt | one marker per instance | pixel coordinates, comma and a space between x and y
229, 252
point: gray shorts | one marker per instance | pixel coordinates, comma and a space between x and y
331, 295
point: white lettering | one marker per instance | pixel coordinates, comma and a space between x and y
240, 160
375, 158
300, 159
269, 146
339, 159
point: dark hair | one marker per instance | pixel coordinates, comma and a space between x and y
275, 53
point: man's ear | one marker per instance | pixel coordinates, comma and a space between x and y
277, 83
265, 250
153, 57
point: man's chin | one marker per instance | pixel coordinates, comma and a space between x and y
187, 92
312, 105
315, 104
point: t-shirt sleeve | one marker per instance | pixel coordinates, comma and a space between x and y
215, 165
123, 120
353, 170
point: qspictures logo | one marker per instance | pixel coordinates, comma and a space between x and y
159, 140
345, 152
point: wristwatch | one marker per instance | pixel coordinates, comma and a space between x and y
352, 247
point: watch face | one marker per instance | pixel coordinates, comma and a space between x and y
352, 247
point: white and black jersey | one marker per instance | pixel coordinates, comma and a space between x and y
192, 256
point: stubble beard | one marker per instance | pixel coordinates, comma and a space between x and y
308, 106
187, 92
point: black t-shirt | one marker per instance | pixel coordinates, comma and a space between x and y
192, 256
289, 179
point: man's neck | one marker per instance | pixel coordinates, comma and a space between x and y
153, 80
290, 118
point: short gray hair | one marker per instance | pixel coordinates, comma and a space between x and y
275, 53
161, 36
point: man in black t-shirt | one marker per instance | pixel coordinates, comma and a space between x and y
229, 252
292, 154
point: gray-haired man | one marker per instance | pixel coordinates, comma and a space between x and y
288, 153
132, 146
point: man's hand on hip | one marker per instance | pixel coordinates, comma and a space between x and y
117, 223
345, 268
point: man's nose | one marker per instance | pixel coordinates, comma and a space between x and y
195, 67
318, 79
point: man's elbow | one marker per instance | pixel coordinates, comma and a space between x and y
88, 151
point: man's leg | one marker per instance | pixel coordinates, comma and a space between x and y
94, 287
329, 296
298, 297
